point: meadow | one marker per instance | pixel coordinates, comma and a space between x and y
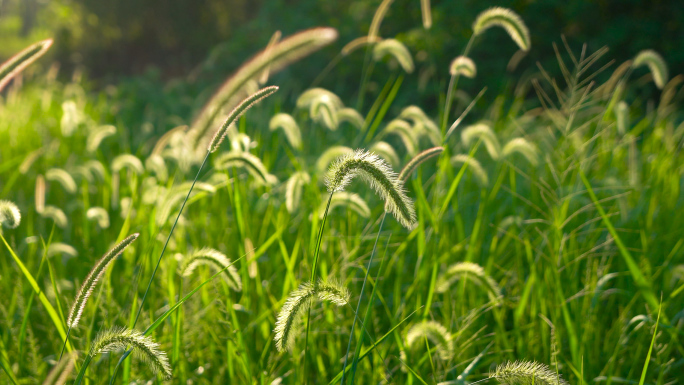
273, 237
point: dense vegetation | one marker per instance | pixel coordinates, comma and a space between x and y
543, 229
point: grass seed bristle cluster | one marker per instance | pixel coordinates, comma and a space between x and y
380, 176
143, 347
522, 147
417, 161
345, 199
17, 63
508, 20
482, 132
63, 178
350, 116
463, 66
526, 373
298, 302
248, 161
468, 270
435, 333
10, 216
235, 114
386, 152
294, 189
395, 49
93, 278
289, 126
128, 161
217, 260
655, 64
475, 166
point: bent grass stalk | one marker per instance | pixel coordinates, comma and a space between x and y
17, 63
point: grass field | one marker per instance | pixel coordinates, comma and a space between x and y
548, 227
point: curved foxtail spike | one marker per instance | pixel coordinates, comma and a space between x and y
483, 132
234, 115
656, 64
300, 301
417, 161
464, 66
381, 178
395, 49
143, 347
346, 199
469, 270
289, 126
357, 43
93, 277
275, 58
435, 333
252, 163
523, 147
294, 189
17, 63
10, 216
478, 171
217, 260
508, 20
526, 373
377, 19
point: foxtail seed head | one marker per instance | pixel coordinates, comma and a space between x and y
93, 277
10, 216
381, 178
397, 50
435, 333
655, 64
217, 260
463, 66
234, 115
417, 161
21, 60
508, 20
143, 347
526, 373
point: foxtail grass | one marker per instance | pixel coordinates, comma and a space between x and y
294, 188
348, 200
655, 63
435, 333
275, 58
18, 62
61, 371
526, 373
300, 301
10, 216
386, 152
128, 161
506, 19
96, 136
289, 126
522, 147
395, 49
248, 161
215, 259
482, 131
351, 116
463, 66
468, 270
63, 178
91, 281
417, 161
474, 165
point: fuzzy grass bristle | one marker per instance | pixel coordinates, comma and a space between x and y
217, 260
526, 373
10, 216
508, 20
17, 63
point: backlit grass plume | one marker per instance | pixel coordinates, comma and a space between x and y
235, 114
483, 132
329, 155
294, 188
435, 333
92, 279
17, 63
10, 216
468, 270
56, 214
423, 125
308, 97
298, 302
289, 126
395, 49
405, 132
622, 117
526, 373
128, 161
143, 347
345, 199
655, 64
417, 161
63, 178
386, 152
96, 136
248, 161
274, 58
358, 43
99, 215
61, 371
351, 116
508, 20
475, 166
522, 147
463, 66
217, 260
376, 172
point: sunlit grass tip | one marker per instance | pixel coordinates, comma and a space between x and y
526, 373
10, 216
298, 302
61, 371
483, 132
289, 126
477, 169
417, 160
656, 64
63, 178
463, 66
294, 189
235, 114
18, 62
329, 156
99, 215
380, 176
508, 20
56, 214
217, 260
128, 161
522, 147
351, 116
395, 49
143, 347
92, 279
387, 152
248, 161
435, 333
472, 271
96, 136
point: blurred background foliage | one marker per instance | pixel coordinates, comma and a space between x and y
170, 55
